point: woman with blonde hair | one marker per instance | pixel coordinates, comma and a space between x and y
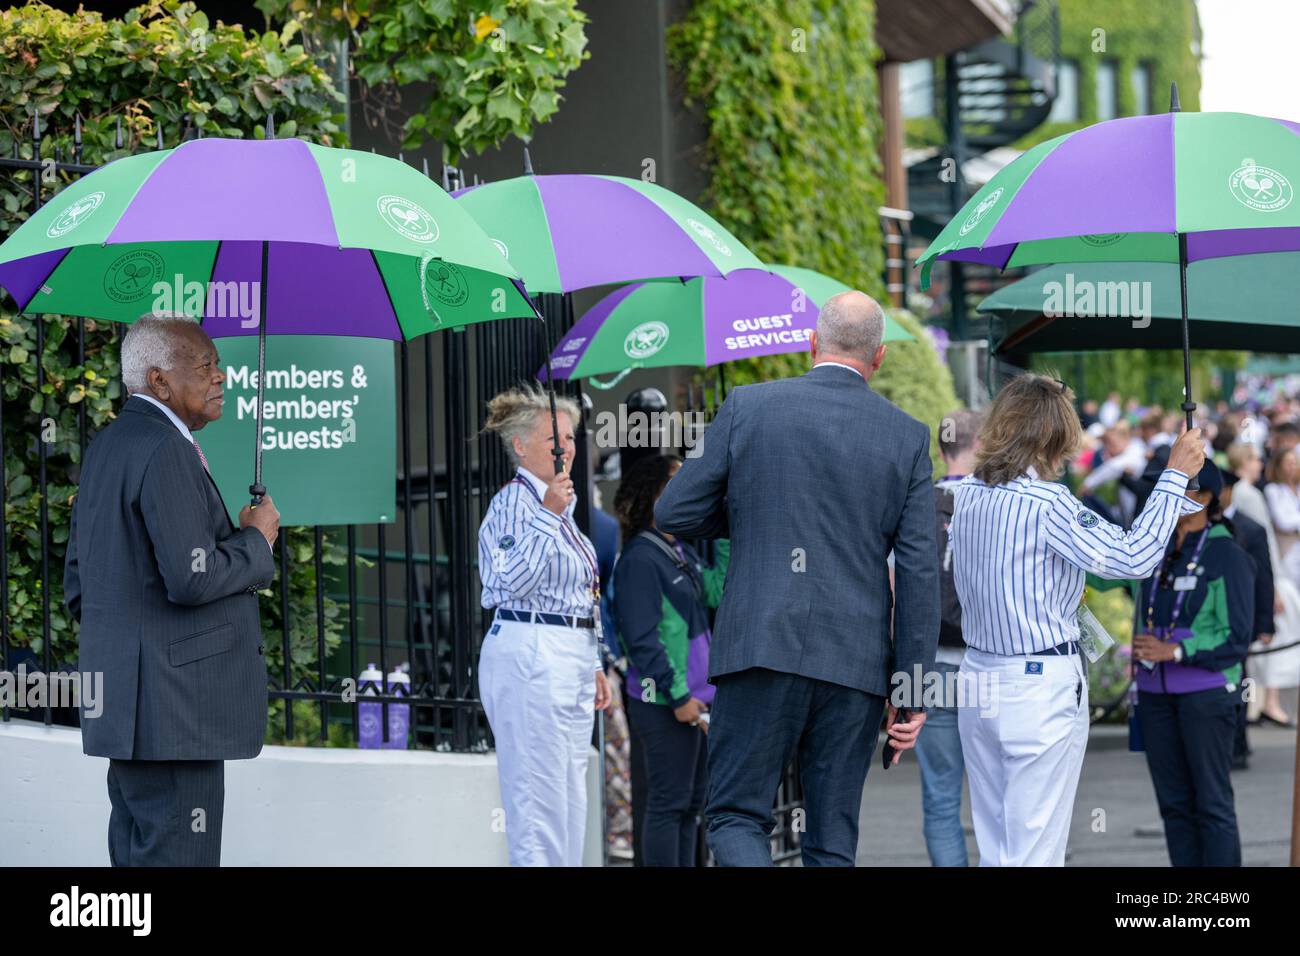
1021, 545
541, 675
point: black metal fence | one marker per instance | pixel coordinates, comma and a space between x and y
406, 593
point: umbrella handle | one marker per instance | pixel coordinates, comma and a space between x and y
258, 492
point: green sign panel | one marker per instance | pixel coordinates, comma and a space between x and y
329, 432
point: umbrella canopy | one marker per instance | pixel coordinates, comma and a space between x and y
570, 232
701, 322
1243, 302
1123, 190
356, 244
258, 236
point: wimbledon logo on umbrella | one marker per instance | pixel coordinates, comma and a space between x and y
74, 215
1259, 187
982, 210
645, 340
408, 219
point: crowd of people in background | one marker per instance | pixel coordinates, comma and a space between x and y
1253, 441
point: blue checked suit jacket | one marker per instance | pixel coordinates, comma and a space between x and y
162, 583
817, 473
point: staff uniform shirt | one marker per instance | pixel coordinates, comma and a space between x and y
662, 609
1215, 624
1021, 551
531, 559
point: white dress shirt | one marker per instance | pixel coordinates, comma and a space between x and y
842, 365
530, 558
1021, 550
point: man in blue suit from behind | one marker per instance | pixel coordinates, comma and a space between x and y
164, 585
816, 480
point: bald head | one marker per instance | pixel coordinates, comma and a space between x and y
850, 325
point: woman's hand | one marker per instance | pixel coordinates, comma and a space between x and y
689, 712
1188, 453
604, 696
559, 492
1147, 647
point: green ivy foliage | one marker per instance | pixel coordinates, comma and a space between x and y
1160, 35
157, 64
497, 67
789, 93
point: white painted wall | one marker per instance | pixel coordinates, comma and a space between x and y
295, 806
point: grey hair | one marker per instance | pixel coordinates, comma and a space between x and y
851, 324
513, 414
150, 342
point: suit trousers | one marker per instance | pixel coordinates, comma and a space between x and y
759, 720
1023, 743
166, 812
538, 687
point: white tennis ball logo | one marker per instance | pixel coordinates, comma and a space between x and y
981, 210
645, 340
1260, 187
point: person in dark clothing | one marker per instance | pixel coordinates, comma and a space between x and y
938, 750
1253, 539
1194, 621
662, 596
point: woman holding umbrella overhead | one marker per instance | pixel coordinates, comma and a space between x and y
541, 674
1021, 544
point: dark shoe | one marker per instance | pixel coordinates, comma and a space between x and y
1269, 718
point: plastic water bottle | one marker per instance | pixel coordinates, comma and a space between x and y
399, 715
370, 727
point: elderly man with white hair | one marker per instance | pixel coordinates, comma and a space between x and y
814, 479
163, 585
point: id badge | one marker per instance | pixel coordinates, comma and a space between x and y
1186, 582
1094, 640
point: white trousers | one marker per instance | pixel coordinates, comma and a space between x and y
538, 687
1023, 743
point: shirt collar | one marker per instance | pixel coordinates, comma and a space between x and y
842, 365
180, 426
539, 486
1032, 472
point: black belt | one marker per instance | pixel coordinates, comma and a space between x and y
1069, 647
540, 617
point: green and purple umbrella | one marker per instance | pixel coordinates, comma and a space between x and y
700, 322
1175, 187
262, 236
568, 232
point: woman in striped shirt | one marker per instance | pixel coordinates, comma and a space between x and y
541, 675
1021, 545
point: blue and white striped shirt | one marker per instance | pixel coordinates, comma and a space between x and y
1021, 550
531, 559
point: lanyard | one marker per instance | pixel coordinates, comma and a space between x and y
573, 537
1180, 596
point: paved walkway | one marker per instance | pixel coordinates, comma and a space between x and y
1114, 781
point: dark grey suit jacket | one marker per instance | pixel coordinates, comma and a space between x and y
822, 473
163, 584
